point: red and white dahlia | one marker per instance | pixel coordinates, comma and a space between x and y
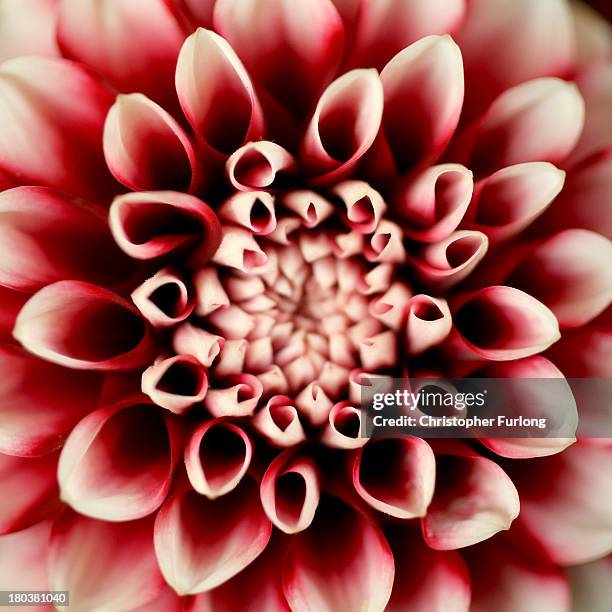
216, 217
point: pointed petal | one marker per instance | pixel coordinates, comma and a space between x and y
217, 456
40, 402
474, 499
115, 36
216, 93
341, 562
570, 273
201, 543
83, 326
502, 323
152, 224
105, 566
118, 461
291, 47
53, 114
396, 476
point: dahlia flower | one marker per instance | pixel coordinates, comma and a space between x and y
216, 217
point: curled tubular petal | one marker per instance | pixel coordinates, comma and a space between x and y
82, 326
216, 93
204, 346
364, 205
40, 402
344, 125
147, 225
278, 421
47, 236
175, 383
344, 427
163, 299
433, 203
445, 263
502, 323
508, 200
121, 552
254, 210
217, 456
395, 476
201, 543
238, 399
290, 491
146, 149
257, 165
423, 89
323, 561
309, 205
569, 272
117, 463
428, 323
473, 500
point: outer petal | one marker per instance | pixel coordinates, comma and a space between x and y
565, 503
290, 491
508, 200
570, 272
118, 461
153, 224
28, 28
395, 476
385, 28
342, 562
202, 543
291, 47
593, 34
502, 323
591, 584
426, 580
146, 149
134, 43
507, 580
474, 499
47, 236
40, 402
423, 87
11, 303
21, 505
105, 566
216, 93
83, 326
344, 125
506, 42
552, 108
53, 113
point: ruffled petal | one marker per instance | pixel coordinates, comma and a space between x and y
503, 323
290, 491
83, 326
217, 456
423, 86
22, 506
146, 149
342, 562
344, 125
395, 476
118, 461
385, 28
201, 543
506, 42
216, 93
28, 28
570, 273
153, 224
134, 43
40, 402
549, 107
53, 115
474, 499
105, 566
426, 579
47, 236
291, 47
